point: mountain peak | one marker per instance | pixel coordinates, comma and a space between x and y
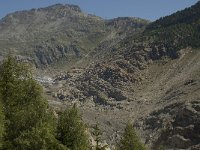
64, 6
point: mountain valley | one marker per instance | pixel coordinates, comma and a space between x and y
115, 71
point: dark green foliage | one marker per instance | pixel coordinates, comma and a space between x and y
1, 124
39, 138
97, 133
160, 147
72, 131
168, 35
177, 31
130, 140
29, 123
187, 16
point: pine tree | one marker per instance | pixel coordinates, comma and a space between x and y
97, 133
130, 140
29, 123
1, 124
72, 131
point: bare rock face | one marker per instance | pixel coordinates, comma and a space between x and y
178, 126
179, 142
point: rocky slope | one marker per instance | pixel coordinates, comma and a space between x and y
59, 34
161, 98
150, 78
154, 84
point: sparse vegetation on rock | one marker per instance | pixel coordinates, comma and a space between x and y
114, 70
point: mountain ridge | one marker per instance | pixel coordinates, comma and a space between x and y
124, 69
63, 25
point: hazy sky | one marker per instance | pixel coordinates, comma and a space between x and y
147, 9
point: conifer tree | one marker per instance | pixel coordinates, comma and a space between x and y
97, 133
72, 130
130, 140
29, 123
1, 125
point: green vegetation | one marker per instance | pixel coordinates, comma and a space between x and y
29, 122
130, 140
168, 35
178, 30
1, 124
26, 120
97, 133
179, 17
72, 130
161, 147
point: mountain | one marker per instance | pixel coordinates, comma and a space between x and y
58, 33
180, 29
147, 78
124, 69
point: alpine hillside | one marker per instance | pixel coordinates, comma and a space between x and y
59, 34
116, 71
